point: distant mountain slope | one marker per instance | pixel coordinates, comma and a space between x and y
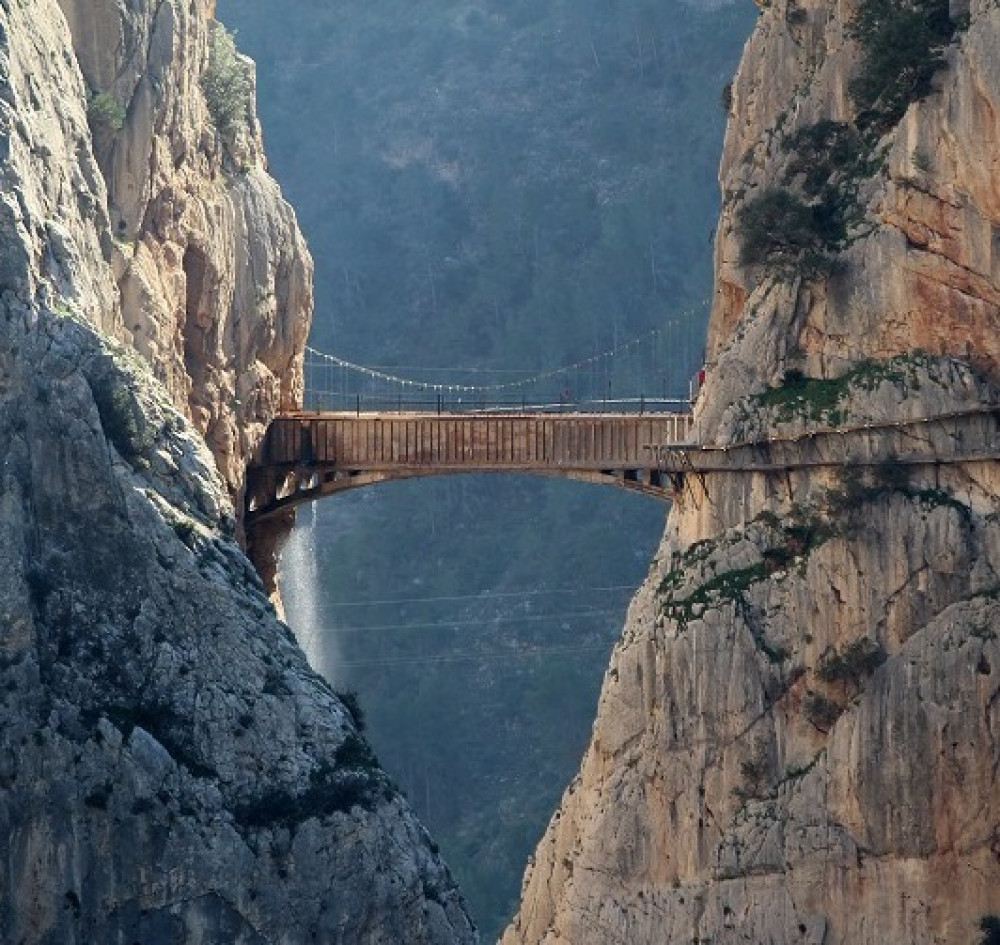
503, 184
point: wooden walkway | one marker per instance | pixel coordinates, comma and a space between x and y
308, 455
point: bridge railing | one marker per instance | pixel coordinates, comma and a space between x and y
314, 400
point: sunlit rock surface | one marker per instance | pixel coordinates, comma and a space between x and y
797, 739
214, 278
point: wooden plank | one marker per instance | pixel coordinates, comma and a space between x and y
326, 447
572, 441
269, 452
316, 432
274, 447
282, 449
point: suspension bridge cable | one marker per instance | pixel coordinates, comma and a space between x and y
375, 373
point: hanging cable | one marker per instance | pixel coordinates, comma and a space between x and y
376, 374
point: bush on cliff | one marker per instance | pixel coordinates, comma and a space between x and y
901, 43
779, 231
798, 228
227, 81
105, 111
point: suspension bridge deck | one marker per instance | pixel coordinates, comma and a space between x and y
307, 455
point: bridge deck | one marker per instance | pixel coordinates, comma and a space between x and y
391, 440
309, 454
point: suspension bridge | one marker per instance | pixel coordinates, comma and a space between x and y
591, 420
571, 422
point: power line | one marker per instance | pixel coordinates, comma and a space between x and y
466, 622
485, 596
483, 657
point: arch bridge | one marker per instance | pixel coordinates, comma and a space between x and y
307, 455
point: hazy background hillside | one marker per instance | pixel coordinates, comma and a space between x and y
489, 189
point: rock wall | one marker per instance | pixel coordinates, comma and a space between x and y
171, 769
797, 738
213, 277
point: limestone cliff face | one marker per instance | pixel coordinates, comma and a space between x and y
797, 738
214, 280
170, 768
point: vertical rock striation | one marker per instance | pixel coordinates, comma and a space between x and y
797, 738
213, 276
170, 768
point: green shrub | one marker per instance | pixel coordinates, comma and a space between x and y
921, 161
353, 780
820, 711
797, 229
806, 534
121, 416
727, 586
227, 82
777, 559
859, 659
726, 98
901, 43
811, 398
825, 155
325, 795
105, 111
354, 752
786, 236
353, 705
891, 475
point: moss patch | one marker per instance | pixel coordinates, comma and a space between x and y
821, 400
727, 586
